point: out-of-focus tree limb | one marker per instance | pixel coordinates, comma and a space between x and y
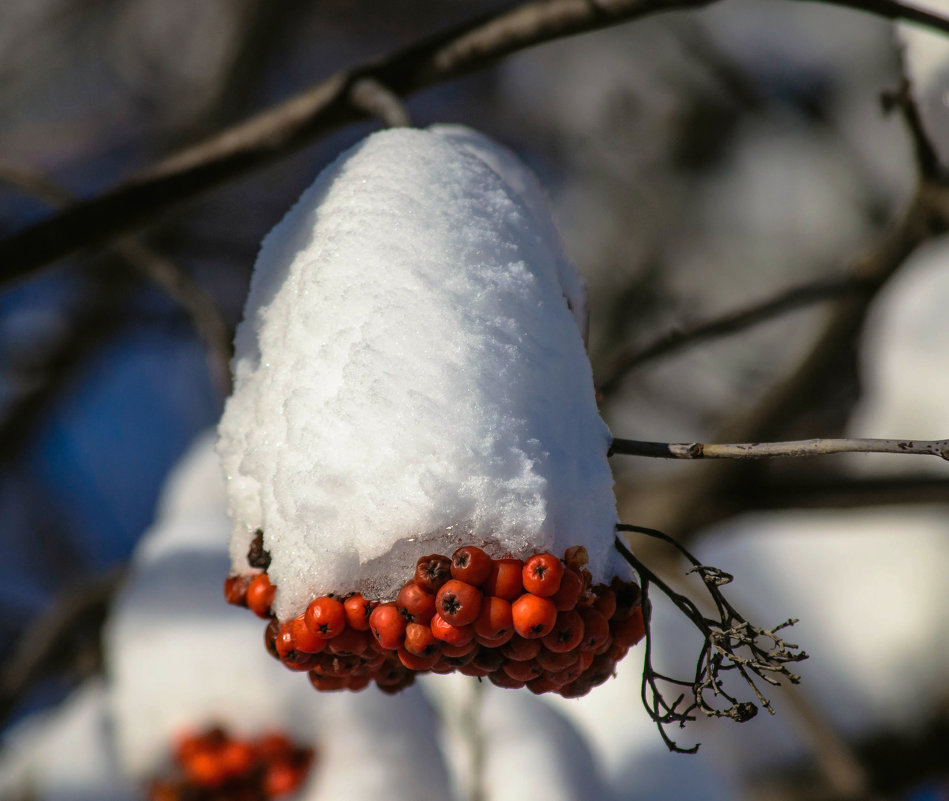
840, 492
328, 105
771, 450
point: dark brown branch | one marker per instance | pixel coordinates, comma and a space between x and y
166, 275
733, 322
309, 115
730, 643
927, 161
839, 492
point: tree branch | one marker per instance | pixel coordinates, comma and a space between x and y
770, 450
328, 105
733, 322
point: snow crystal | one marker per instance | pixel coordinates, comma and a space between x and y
410, 375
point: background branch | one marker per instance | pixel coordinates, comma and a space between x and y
769, 450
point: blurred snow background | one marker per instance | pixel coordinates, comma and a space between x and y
697, 163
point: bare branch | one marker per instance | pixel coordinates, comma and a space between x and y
730, 643
770, 450
371, 97
840, 492
326, 106
733, 322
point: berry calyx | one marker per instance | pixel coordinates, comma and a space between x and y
471, 565
416, 604
458, 602
432, 571
542, 574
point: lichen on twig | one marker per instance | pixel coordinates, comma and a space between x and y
731, 644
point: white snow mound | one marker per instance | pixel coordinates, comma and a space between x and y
410, 377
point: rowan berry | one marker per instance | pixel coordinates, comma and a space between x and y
505, 579
282, 777
284, 641
533, 616
446, 632
416, 604
566, 634
456, 662
304, 639
206, 768
628, 597
500, 679
488, 659
325, 617
432, 571
541, 685
542, 574
237, 757
554, 661
470, 669
420, 641
571, 585
415, 662
576, 557
497, 642
235, 590
458, 602
471, 565
596, 629
350, 643
522, 671
458, 651
270, 637
494, 618
630, 631
357, 683
520, 649
387, 625
260, 593
605, 602
357, 611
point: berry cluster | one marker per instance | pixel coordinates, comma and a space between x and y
536, 623
213, 766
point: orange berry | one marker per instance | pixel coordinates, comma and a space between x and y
534, 617
206, 768
357, 611
420, 641
542, 574
350, 643
471, 565
500, 679
453, 635
432, 571
237, 757
416, 603
497, 642
630, 631
522, 671
505, 579
494, 618
305, 640
284, 641
387, 625
260, 593
458, 602
458, 651
474, 671
270, 637
488, 659
571, 585
357, 683
281, 778
520, 649
325, 617
596, 629
605, 602
553, 661
566, 633
415, 662
235, 590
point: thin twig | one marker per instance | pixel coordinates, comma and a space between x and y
326, 106
770, 450
786, 301
371, 97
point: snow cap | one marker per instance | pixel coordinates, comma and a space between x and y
410, 375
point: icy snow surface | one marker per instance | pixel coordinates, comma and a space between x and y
409, 377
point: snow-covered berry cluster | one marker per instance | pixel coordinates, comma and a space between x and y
415, 462
536, 623
214, 766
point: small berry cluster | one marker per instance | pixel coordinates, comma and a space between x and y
213, 766
536, 623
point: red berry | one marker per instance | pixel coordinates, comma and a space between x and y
457, 651
416, 603
553, 662
281, 778
541, 685
357, 611
542, 574
420, 641
284, 641
270, 637
494, 618
304, 639
566, 633
458, 602
432, 571
350, 643
237, 757
235, 590
453, 635
522, 671
205, 767
471, 565
628, 597
488, 659
571, 585
520, 649
260, 593
534, 617
605, 602
325, 617
505, 579
630, 631
496, 642
415, 662
500, 679
387, 625
596, 629
474, 671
